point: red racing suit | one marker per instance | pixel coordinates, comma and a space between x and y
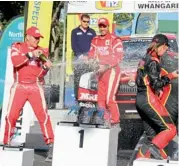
28, 79
108, 51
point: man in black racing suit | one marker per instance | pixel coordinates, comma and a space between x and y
150, 85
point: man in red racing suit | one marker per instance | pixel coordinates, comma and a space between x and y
107, 49
29, 71
150, 102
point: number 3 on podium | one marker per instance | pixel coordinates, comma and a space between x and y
81, 138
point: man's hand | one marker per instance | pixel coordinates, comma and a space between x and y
175, 73
102, 68
48, 64
160, 94
37, 53
83, 57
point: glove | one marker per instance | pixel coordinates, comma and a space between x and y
83, 57
159, 94
173, 75
103, 68
93, 64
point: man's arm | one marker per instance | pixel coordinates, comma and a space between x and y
74, 44
92, 51
156, 81
45, 67
18, 58
118, 52
94, 33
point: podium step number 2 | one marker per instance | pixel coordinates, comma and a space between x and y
152, 162
16, 157
84, 146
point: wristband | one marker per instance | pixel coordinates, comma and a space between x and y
45, 67
29, 55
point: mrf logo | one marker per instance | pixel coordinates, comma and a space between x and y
108, 5
88, 97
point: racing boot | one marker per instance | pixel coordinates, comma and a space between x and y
155, 152
99, 117
75, 108
49, 153
175, 155
143, 152
116, 126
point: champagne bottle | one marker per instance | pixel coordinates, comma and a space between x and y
43, 58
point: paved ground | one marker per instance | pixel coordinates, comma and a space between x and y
40, 160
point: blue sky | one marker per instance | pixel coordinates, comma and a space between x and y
168, 16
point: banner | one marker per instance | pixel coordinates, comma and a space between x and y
39, 14
73, 21
14, 32
122, 6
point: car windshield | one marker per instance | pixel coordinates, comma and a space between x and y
173, 45
135, 49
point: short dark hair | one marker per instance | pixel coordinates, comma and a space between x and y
85, 16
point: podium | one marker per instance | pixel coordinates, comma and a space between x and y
153, 162
85, 146
9, 157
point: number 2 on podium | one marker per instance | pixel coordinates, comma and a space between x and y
81, 138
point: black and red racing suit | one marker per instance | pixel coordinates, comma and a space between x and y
148, 102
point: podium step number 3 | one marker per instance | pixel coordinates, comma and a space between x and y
84, 146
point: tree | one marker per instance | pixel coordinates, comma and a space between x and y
123, 17
10, 9
56, 42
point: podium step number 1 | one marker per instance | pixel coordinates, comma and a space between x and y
84, 146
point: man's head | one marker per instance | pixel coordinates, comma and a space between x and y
85, 20
160, 44
33, 36
103, 25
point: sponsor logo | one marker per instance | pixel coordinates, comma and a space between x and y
89, 34
107, 42
79, 33
103, 50
15, 34
87, 105
93, 21
87, 96
108, 5
157, 5
77, 3
18, 34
